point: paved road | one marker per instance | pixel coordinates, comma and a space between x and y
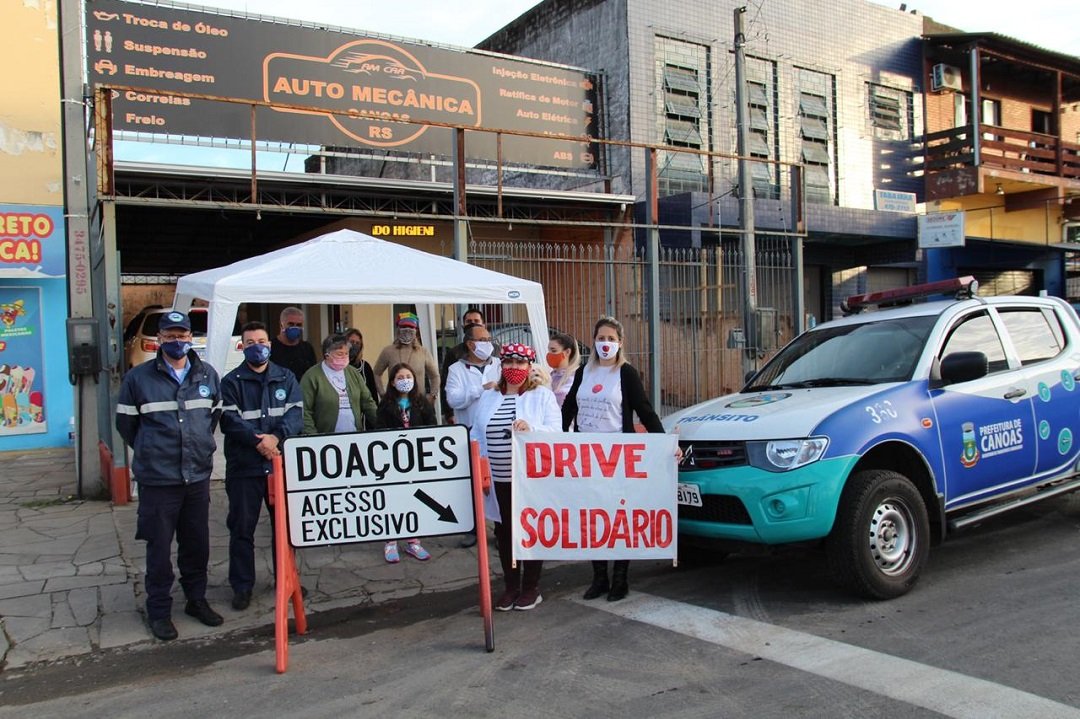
989, 631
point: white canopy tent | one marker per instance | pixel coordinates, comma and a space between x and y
348, 267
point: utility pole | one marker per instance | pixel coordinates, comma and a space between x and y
748, 284
90, 394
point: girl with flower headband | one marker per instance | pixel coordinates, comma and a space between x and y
518, 403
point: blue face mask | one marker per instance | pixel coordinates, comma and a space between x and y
257, 355
293, 334
176, 349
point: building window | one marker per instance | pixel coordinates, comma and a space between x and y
682, 112
761, 79
890, 112
816, 96
682, 106
681, 79
682, 133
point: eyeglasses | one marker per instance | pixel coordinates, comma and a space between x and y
338, 354
176, 338
482, 339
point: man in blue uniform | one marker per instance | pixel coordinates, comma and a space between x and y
261, 406
167, 410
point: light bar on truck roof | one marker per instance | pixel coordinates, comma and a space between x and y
961, 288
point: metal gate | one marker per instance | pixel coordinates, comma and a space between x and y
700, 307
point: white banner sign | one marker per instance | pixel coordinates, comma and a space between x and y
894, 201
368, 486
941, 229
594, 496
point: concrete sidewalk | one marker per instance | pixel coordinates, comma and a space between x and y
71, 570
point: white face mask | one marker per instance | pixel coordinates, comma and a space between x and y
404, 385
483, 350
607, 350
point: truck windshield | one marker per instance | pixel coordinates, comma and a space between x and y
867, 353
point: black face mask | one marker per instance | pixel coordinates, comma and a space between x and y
354, 352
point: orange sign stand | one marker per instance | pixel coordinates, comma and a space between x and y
481, 476
288, 578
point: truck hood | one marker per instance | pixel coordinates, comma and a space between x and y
778, 414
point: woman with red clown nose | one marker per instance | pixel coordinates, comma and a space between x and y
518, 403
604, 397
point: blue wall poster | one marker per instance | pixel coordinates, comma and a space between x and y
21, 362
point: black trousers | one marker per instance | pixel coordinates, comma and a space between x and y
527, 574
247, 497
183, 511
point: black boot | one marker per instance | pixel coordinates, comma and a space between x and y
619, 584
599, 581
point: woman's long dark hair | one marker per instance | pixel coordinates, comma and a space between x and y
392, 393
421, 412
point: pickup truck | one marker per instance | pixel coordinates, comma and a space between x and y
880, 433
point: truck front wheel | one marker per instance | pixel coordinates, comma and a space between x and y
881, 538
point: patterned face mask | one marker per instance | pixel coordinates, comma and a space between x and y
404, 384
515, 375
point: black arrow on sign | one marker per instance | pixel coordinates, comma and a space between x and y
446, 514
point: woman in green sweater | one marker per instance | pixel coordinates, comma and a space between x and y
336, 398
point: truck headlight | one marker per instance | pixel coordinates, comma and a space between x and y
780, 455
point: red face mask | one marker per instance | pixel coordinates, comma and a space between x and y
515, 375
554, 359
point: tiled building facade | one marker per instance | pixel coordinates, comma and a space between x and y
835, 86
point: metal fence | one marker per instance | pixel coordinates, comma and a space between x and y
700, 305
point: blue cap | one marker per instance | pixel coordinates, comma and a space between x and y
174, 319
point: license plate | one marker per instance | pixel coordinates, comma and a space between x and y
689, 494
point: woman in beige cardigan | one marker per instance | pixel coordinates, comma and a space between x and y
407, 349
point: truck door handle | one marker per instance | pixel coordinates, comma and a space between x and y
1014, 393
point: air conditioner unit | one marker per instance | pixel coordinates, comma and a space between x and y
945, 77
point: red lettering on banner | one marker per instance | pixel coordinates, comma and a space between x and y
527, 516
632, 457
564, 459
537, 459
607, 464
597, 528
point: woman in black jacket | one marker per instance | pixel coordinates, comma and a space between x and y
403, 406
356, 359
606, 394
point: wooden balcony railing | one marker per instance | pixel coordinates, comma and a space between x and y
1014, 150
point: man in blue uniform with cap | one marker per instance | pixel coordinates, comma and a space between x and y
261, 406
167, 411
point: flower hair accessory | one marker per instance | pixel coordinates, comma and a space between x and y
519, 351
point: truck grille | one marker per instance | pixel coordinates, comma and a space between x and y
723, 508
698, 455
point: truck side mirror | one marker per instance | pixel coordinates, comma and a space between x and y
964, 366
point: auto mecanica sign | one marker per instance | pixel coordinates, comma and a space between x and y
373, 83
